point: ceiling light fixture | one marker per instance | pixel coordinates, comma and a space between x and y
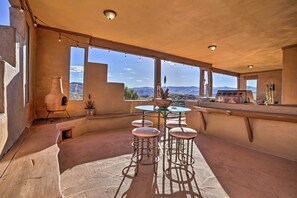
250, 66
212, 47
110, 14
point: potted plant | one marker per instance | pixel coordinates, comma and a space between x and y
164, 101
90, 107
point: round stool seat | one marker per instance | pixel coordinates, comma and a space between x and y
175, 123
145, 132
146, 123
183, 132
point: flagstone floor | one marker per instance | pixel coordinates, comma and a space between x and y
97, 164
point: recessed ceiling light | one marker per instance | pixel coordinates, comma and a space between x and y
212, 47
250, 66
110, 14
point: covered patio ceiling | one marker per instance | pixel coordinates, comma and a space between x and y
246, 32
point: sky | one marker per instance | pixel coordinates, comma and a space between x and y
134, 71
137, 71
251, 83
4, 12
222, 80
179, 74
77, 64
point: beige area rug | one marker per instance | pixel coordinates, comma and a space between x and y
98, 164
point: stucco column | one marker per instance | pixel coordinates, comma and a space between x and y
210, 82
289, 75
157, 75
201, 83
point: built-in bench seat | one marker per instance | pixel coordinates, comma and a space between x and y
31, 167
113, 115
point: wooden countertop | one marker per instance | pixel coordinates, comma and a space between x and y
246, 115
250, 114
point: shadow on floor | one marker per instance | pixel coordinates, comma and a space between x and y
99, 165
91, 147
175, 182
92, 166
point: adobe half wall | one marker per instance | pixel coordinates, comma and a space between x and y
16, 114
264, 78
53, 59
276, 137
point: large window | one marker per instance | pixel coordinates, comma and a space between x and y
76, 78
252, 85
181, 80
223, 82
136, 72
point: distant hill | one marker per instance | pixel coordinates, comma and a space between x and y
149, 91
76, 87
191, 90
144, 91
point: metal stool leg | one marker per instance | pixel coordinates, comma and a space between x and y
146, 148
155, 154
136, 153
182, 153
47, 115
67, 114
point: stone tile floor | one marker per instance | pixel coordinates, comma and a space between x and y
98, 164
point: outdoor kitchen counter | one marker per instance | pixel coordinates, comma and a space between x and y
272, 129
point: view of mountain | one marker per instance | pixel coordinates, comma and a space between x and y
76, 87
192, 90
76, 91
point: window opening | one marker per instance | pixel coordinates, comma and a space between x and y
136, 72
76, 78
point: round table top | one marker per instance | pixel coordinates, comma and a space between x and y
173, 109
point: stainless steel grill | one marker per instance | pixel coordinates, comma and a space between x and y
234, 96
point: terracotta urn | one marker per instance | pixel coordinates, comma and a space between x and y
90, 112
56, 100
163, 103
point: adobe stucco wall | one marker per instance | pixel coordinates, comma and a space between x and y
16, 114
265, 78
289, 75
53, 58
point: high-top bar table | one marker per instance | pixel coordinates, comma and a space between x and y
147, 110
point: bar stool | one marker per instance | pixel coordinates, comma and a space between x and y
146, 147
175, 123
142, 123
181, 153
